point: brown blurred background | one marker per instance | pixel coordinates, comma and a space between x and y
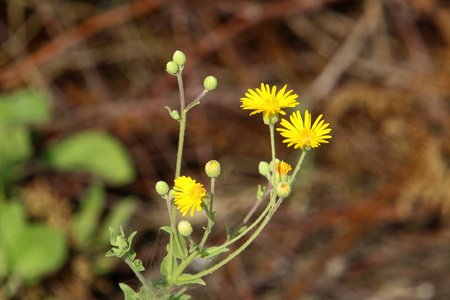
368, 217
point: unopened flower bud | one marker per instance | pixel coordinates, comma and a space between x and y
175, 115
185, 228
264, 169
271, 119
283, 189
179, 58
162, 188
212, 168
172, 68
210, 83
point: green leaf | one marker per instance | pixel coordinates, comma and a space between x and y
120, 214
188, 279
176, 251
213, 251
165, 269
85, 222
15, 144
94, 152
128, 292
25, 107
41, 250
33, 250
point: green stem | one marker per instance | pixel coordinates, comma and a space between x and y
297, 167
197, 100
272, 141
137, 273
181, 89
246, 244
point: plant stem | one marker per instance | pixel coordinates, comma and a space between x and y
181, 89
297, 167
272, 141
247, 242
137, 273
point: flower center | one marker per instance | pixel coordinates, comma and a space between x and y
282, 167
272, 103
197, 192
306, 137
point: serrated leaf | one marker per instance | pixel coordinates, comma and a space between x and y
94, 152
213, 251
188, 279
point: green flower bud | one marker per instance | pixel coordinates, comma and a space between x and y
179, 58
212, 168
162, 188
175, 115
271, 119
210, 83
172, 68
264, 169
185, 228
283, 189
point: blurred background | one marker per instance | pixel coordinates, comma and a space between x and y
84, 137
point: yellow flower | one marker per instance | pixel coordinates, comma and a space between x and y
283, 167
188, 194
267, 101
301, 134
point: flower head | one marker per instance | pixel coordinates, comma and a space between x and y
283, 167
268, 101
188, 194
212, 169
300, 133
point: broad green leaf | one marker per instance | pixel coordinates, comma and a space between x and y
129, 293
213, 251
94, 152
15, 144
25, 107
188, 279
85, 222
32, 250
39, 251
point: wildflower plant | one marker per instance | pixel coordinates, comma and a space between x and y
191, 197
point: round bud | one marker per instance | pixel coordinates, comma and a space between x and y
212, 168
264, 169
271, 119
162, 188
283, 189
210, 83
185, 228
175, 115
179, 58
172, 68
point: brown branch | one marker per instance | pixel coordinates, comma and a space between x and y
15, 75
